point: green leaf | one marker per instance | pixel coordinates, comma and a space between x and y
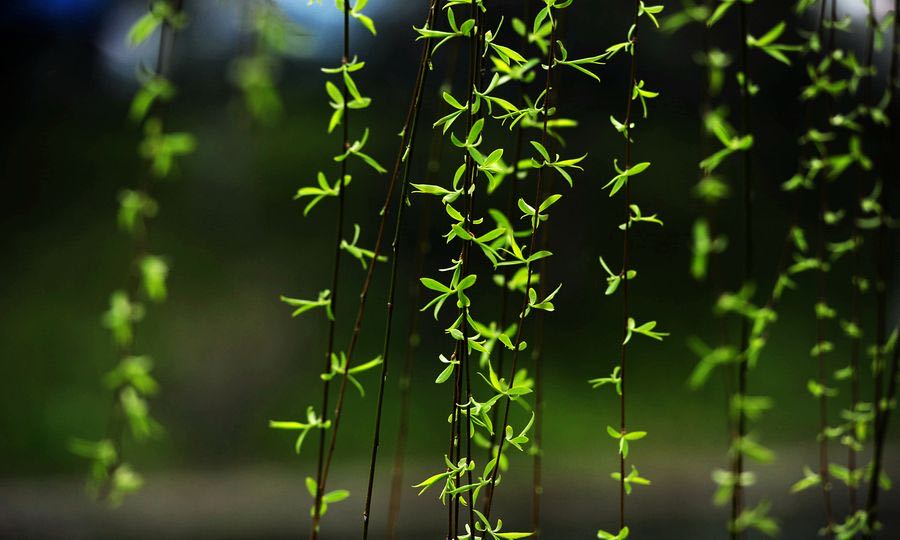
337, 495
541, 150
143, 28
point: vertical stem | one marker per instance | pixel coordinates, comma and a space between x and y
433, 167
738, 461
471, 172
747, 180
624, 271
881, 424
406, 155
820, 358
115, 431
715, 272
883, 261
452, 506
537, 485
510, 208
529, 267
856, 270
537, 472
462, 346
820, 325
335, 275
360, 312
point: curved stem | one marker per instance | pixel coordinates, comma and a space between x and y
476, 44
405, 154
824, 472
738, 459
820, 359
624, 272
529, 269
115, 431
321, 462
856, 271
537, 473
433, 167
510, 208
882, 273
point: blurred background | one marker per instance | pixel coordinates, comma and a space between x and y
229, 357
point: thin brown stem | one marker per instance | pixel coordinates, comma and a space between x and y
465, 370
626, 314
405, 154
537, 356
115, 431
738, 459
824, 472
881, 425
412, 343
512, 196
856, 271
322, 461
529, 268
461, 349
883, 250
820, 359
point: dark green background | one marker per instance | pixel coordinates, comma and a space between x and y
229, 357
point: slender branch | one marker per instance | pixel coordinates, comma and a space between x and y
882, 273
363, 296
537, 355
856, 271
881, 425
551, 61
824, 472
715, 272
510, 208
747, 179
322, 462
433, 167
820, 359
453, 505
537, 483
115, 431
462, 346
624, 272
405, 154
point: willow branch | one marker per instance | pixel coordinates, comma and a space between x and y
747, 179
406, 155
115, 431
551, 61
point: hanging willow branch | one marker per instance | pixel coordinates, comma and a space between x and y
433, 166
321, 468
405, 155
885, 398
532, 249
347, 97
131, 381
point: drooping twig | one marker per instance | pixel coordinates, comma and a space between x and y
512, 196
824, 472
747, 182
463, 371
883, 251
406, 140
626, 314
537, 356
321, 462
529, 267
115, 431
856, 270
433, 166
405, 154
